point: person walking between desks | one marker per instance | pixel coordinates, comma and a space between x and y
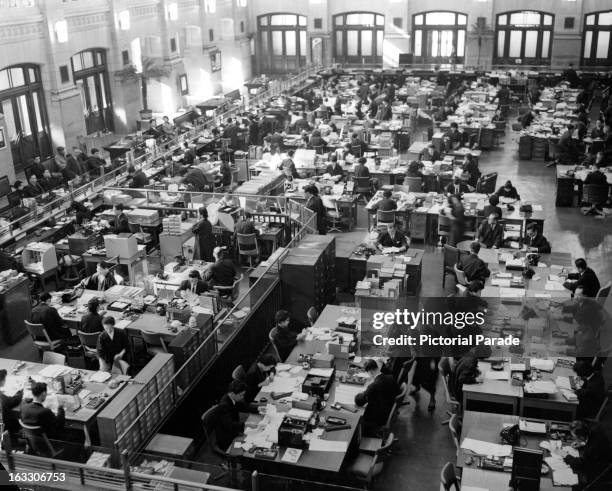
204, 238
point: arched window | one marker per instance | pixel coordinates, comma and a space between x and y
523, 37
90, 74
22, 103
439, 37
282, 42
597, 48
358, 37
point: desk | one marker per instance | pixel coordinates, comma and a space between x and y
81, 419
570, 179
91, 260
486, 427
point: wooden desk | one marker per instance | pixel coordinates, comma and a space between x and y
486, 427
82, 418
500, 392
91, 260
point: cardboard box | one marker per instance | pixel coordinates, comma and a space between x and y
322, 360
122, 245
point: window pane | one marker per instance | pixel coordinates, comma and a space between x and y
603, 44
302, 43
32, 75
548, 20
37, 114
366, 43
379, 42
24, 117
446, 44
351, 43
17, 77
4, 81
102, 90
290, 43
339, 48
277, 42
462, 19
418, 20
461, 43
282, 20
531, 44
302, 20
501, 39
502, 20
516, 41
263, 21
590, 20
87, 59
440, 18
525, 18
605, 19
9, 117
435, 43
588, 38
545, 43
93, 99
380, 20
264, 42
418, 40
339, 20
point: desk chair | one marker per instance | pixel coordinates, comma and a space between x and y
356, 151
365, 468
461, 277
73, 268
53, 358
454, 425
487, 184
451, 257
229, 294
446, 371
312, 315
274, 348
252, 250
239, 373
414, 184
384, 217
319, 149
604, 291
595, 195
38, 333
601, 409
37, 442
363, 188
399, 402
334, 217
89, 342
448, 478
154, 342
444, 227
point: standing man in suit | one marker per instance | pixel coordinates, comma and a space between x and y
228, 422
475, 269
585, 280
490, 232
535, 241
379, 396
35, 414
49, 317
195, 284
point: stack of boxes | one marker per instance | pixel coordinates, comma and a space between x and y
171, 225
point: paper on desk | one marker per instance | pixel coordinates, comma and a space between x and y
541, 387
321, 372
485, 448
318, 445
13, 384
497, 375
299, 413
284, 384
503, 282
100, 377
281, 367
563, 383
532, 426
517, 367
564, 477
570, 395
345, 394
123, 323
545, 365
296, 369
52, 371
554, 286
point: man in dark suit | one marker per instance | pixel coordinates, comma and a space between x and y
595, 454
38, 169
392, 238
475, 269
228, 425
260, 373
222, 272
189, 156
490, 232
585, 280
77, 162
535, 241
231, 132
379, 396
454, 138
35, 414
430, 154
194, 284
568, 146
464, 372
9, 403
592, 392
121, 223
137, 177
301, 124
49, 317
283, 337
101, 280
361, 170
95, 164
387, 203
492, 207
508, 191
276, 141
457, 187
356, 141
598, 131
34, 188
245, 226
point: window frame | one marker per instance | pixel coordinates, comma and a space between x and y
541, 29
595, 29
419, 23
281, 63
341, 29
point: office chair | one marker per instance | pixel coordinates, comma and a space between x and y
448, 477
41, 338
53, 358
451, 256
365, 468
37, 442
446, 371
154, 342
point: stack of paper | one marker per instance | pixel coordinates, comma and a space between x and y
486, 448
321, 372
540, 387
563, 383
53, 371
532, 426
345, 394
497, 375
546, 365
318, 445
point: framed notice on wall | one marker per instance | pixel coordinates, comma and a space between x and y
2, 139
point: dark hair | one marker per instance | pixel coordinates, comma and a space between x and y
119, 206
532, 226
248, 215
92, 305
94, 151
334, 158
312, 189
475, 247
361, 399
236, 387
581, 263
2, 374
194, 274
413, 166
583, 368
281, 316
370, 365
362, 160
268, 360
387, 193
131, 169
104, 264
45, 296
17, 184
494, 200
291, 153
109, 320
203, 212
580, 429
38, 388
454, 125
508, 184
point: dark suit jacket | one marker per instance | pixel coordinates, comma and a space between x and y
512, 194
49, 317
361, 171
425, 155
121, 224
31, 191
75, 166
95, 165
492, 209
596, 177
107, 348
590, 396
9, 416
92, 282
253, 378
386, 204
35, 414
491, 235
473, 267
228, 424
594, 459
91, 323
335, 170
284, 340
201, 286
588, 281
398, 240
465, 371
540, 242
222, 273
450, 188
139, 180
380, 396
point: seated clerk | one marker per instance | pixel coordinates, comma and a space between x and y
120, 223
228, 425
101, 280
225, 172
527, 118
454, 138
34, 188
414, 169
592, 391
289, 164
48, 182
379, 396
430, 154
138, 179
356, 141
195, 284
387, 203
594, 454
392, 238
91, 322
301, 124
492, 207
595, 176
260, 373
508, 191
35, 414
245, 226
457, 187
585, 279
316, 140
283, 337
361, 170
82, 213
49, 317
223, 271
8, 406
464, 372
475, 269
112, 345
334, 168
491, 232
189, 156
535, 241
597, 132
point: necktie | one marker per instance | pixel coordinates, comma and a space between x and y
193, 288
456, 189
100, 283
